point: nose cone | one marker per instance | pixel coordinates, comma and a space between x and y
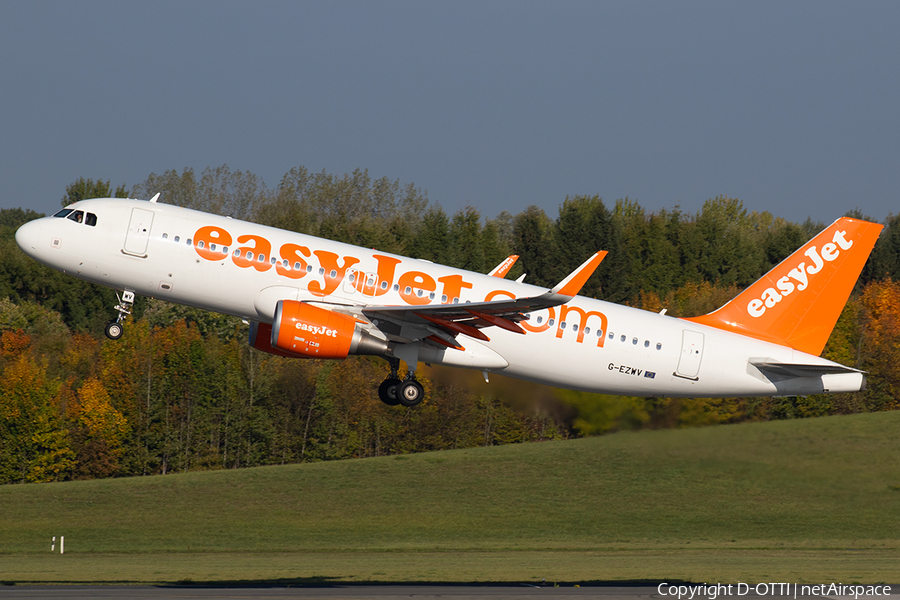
28, 236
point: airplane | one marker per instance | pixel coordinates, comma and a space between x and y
309, 297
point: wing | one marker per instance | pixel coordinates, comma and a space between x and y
441, 323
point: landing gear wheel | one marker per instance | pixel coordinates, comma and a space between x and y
114, 330
388, 390
410, 393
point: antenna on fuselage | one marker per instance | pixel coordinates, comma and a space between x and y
155, 198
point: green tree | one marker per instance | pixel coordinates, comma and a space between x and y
885, 260
535, 243
84, 189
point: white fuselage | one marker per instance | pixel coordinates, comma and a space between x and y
586, 344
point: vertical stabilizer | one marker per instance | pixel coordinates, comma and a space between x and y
798, 302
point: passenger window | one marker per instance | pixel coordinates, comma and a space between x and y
91, 219
77, 216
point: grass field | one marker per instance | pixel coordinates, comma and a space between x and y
802, 501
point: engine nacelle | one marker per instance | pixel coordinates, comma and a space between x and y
261, 339
301, 329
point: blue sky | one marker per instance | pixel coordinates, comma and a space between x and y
793, 107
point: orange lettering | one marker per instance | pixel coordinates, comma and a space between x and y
206, 237
334, 273
453, 285
386, 267
261, 250
416, 280
496, 293
292, 253
551, 314
565, 309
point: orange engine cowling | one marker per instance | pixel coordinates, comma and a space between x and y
261, 339
301, 329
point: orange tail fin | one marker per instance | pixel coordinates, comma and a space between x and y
798, 302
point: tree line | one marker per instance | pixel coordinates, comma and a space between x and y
182, 390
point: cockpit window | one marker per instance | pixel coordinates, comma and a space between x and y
77, 216
90, 219
63, 212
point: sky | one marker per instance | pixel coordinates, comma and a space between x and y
793, 107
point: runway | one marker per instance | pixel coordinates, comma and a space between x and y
368, 592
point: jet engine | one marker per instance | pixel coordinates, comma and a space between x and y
261, 339
301, 329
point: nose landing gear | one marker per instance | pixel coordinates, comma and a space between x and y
115, 329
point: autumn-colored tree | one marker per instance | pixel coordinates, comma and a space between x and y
880, 349
98, 430
34, 444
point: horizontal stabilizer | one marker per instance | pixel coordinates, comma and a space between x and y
801, 370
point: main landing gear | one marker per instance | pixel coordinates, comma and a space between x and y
115, 329
394, 391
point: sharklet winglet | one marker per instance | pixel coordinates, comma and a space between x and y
571, 285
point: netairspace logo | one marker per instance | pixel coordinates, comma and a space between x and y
794, 590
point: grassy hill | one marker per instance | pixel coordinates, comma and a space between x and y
807, 500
